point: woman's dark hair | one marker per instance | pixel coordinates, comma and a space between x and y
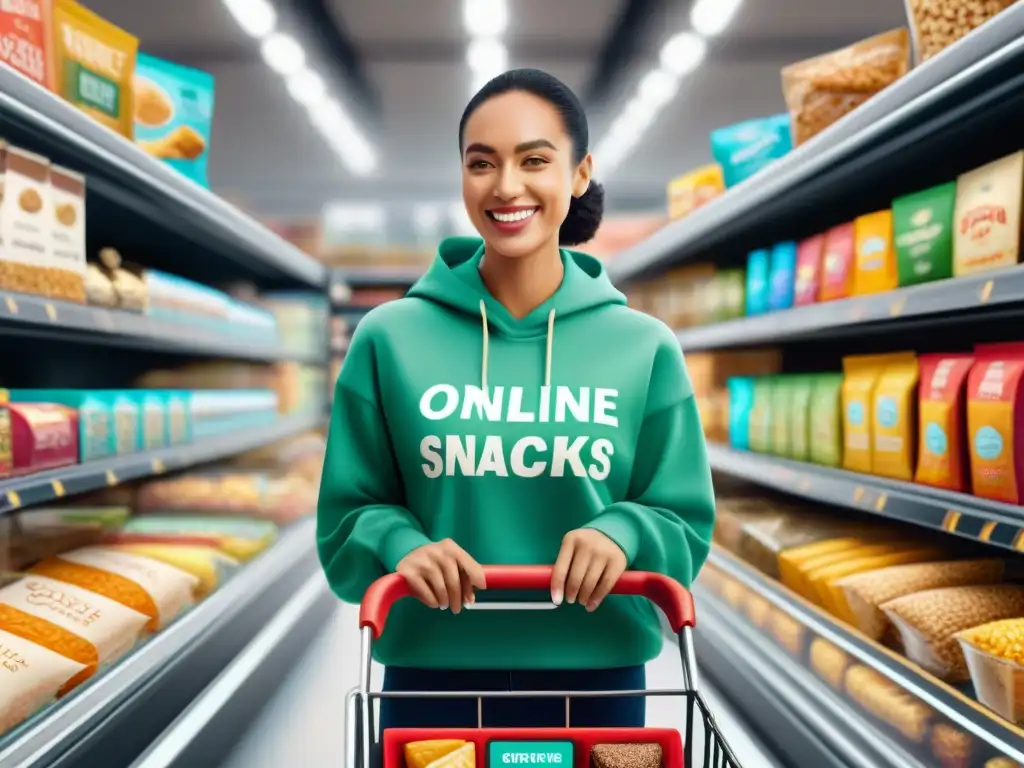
585, 212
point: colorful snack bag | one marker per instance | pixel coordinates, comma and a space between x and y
895, 436
757, 282
860, 377
875, 270
837, 263
174, 115
942, 445
799, 417
745, 148
760, 438
807, 283
923, 234
782, 276
994, 416
826, 417
690, 191
741, 400
782, 402
987, 218
23, 43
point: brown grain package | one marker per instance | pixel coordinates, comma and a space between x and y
25, 207
928, 622
127, 281
866, 592
829, 662
67, 275
937, 24
820, 91
881, 697
952, 747
732, 514
762, 541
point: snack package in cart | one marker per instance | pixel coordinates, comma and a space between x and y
566, 746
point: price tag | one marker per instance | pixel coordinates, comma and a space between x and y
880, 502
12, 305
949, 522
158, 466
51, 311
986, 291
858, 313
13, 499
104, 320
805, 485
896, 308
858, 494
987, 530
111, 477
58, 488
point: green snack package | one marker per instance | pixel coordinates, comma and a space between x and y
923, 232
825, 414
799, 417
782, 412
733, 287
761, 415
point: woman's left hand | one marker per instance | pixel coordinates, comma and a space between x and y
588, 566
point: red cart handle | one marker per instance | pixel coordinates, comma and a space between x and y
674, 600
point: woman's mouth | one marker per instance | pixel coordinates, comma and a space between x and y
510, 220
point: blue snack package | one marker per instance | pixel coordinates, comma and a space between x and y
745, 148
174, 115
782, 276
741, 400
757, 282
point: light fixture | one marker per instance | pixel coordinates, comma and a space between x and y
683, 53
343, 137
306, 87
485, 18
487, 57
257, 18
283, 53
710, 17
426, 218
658, 87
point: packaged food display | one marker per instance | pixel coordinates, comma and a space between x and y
781, 277
690, 191
937, 24
205, 562
100, 84
433, 752
66, 281
741, 400
152, 419
890, 703
875, 260
923, 233
626, 756
760, 419
173, 116
31, 676
246, 494
826, 417
988, 216
23, 43
745, 148
995, 660
860, 375
43, 436
837, 263
928, 622
820, 91
99, 291
808, 270
238, 538
994, 416
799, 417
894, 444
758, 285
828, 662
25, 215
126, 281
127, 415
95, 418
942, 436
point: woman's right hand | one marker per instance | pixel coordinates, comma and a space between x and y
442, 575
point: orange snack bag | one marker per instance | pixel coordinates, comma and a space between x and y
875, 270
942, 444
994, 416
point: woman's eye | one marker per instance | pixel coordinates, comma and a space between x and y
478, 164
535, 161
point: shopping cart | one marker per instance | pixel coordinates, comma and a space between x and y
364, 748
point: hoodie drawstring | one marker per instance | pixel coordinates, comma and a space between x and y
547, 353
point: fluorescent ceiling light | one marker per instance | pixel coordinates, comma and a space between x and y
256, 17
426, 218
485, 18
658, 87
306, 87
355, 216
283, 53
683, 53
343, 137
711, 17
487, 57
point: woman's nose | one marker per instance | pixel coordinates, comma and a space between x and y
509, 185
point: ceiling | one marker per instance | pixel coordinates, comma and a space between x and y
409, 56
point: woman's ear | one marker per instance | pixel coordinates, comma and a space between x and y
582, 175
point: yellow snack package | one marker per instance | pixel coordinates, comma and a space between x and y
690, 191
94, 65
860, 376
874, 255
894, 448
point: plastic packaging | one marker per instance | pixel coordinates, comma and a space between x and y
998, 678
745, 148
822, 90
937, 24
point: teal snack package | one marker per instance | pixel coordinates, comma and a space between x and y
799, 415
174, 115
758, 263
741, 400
826, 415
745, 148
782, 276
923, 234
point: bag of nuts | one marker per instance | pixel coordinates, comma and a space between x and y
937, 24
821, 90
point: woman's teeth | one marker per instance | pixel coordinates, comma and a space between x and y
511, 217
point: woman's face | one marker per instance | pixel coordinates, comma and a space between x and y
518, 174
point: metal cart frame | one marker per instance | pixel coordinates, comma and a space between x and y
362, 743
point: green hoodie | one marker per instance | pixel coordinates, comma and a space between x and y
590, 423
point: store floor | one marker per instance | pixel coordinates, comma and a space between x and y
302, 724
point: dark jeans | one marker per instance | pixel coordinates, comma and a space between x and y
512, 712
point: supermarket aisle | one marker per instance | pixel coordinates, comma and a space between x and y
302, 725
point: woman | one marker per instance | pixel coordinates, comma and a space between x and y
512, 410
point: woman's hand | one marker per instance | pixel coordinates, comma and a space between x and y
588, 566
442, 575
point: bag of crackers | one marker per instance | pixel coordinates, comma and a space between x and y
937, 24
822, 90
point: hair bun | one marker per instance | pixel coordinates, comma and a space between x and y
584, 217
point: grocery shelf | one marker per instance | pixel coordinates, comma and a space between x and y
64, 321
972, 294
980, 520
991, 735
121, 172
932, 106
51, 485
377, 276
91, 721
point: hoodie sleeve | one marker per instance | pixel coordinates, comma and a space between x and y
363, 527
664, 524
